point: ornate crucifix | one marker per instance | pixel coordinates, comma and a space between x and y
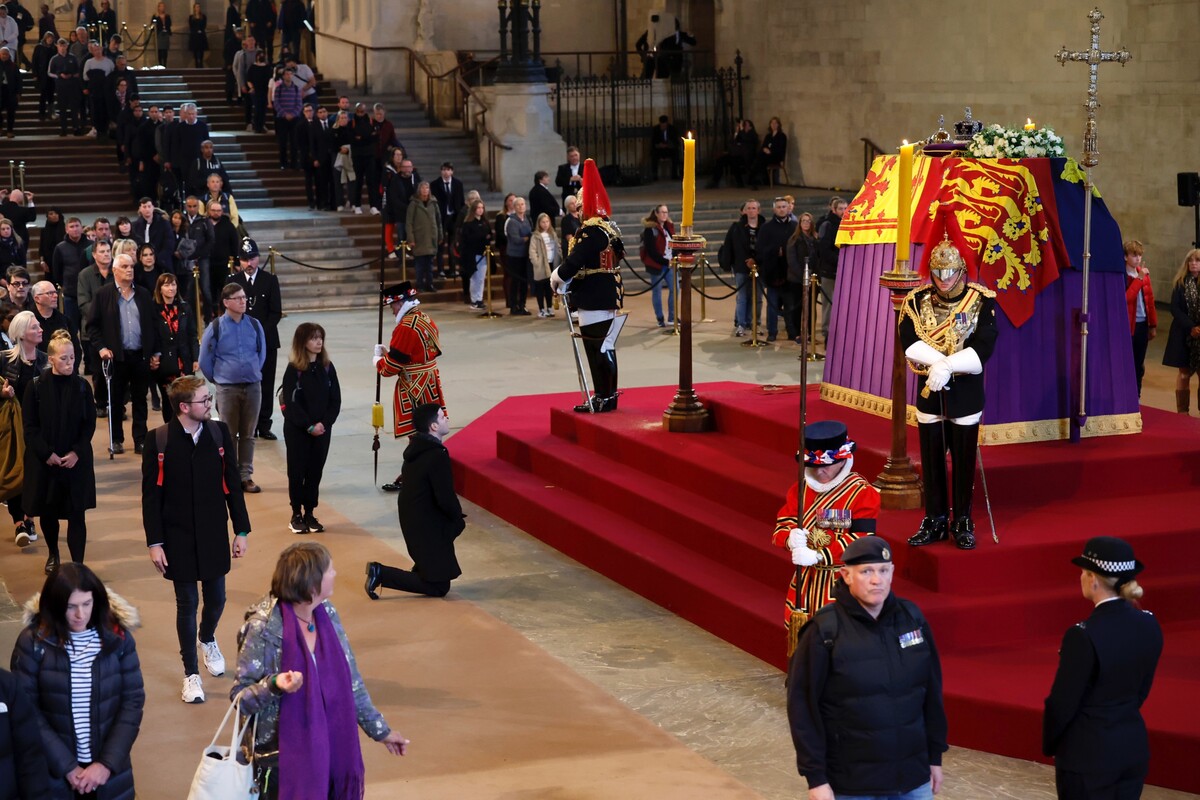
1093, 57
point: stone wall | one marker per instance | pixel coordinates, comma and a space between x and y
836, 72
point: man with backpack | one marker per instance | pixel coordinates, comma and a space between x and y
865, 689
190, 491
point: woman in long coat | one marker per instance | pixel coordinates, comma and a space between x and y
60, 418
1183, 341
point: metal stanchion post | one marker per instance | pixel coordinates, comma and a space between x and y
810, 313
198, 313
488, 253
21, 175
754, 341
405, 252
12, 173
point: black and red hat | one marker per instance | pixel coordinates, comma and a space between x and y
397, 293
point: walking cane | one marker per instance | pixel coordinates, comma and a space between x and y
575, 337
106, 368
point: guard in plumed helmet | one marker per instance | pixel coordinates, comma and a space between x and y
839, 506
1093, 724
591, 279
948, 331
411, 356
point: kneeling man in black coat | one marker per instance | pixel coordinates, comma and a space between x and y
431, 517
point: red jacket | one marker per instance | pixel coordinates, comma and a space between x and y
1132, 287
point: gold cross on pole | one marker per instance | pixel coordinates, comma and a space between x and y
1093, 57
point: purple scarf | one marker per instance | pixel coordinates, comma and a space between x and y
319, 753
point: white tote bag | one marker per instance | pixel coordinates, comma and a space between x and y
222, 774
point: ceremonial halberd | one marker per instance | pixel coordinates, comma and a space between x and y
1024, 220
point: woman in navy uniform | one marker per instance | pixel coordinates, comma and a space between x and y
1093, 723
948, 331
592, 272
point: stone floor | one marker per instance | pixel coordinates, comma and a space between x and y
535, 678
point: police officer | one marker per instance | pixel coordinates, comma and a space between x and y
948, 330
592, 271
1093, 723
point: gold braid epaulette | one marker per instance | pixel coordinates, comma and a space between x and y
603, 224
983, 290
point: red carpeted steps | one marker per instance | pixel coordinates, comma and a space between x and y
685, 520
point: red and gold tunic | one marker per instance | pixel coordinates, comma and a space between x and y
412, 356
855, 493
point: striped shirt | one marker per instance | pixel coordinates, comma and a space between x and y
82, 652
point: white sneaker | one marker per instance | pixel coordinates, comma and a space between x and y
193, 689
392, 256
374, 211
91, 134
214, 662
739, 331
358, 209
249, 129
22, 537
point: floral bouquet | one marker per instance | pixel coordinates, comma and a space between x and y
997, 141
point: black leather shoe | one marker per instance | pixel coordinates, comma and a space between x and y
51, 564
394, 486
118, 447
373, 579
270, 437
964, 533
933, 529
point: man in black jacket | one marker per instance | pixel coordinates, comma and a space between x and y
225, 246
770, 252
189, 497
121, 327
451, 196
67, 261
152, 228
827, 258
864, 688
203, 165
263, 302
570, 175
541, 200
431, 517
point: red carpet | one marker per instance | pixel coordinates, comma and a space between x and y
685, 520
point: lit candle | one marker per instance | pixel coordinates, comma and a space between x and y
904, 206
689, 179
1029, 124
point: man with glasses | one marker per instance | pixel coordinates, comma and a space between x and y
18, 291
45, 309
232, 353
190, 491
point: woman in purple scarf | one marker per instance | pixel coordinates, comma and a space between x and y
296, 671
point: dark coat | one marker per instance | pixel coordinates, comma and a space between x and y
397, 192
189, 513
596, 292
541, 201
66, 263
801, 248
43, 671
770, 250
562, 179
178, 347
263, 302
57, 321
162, 238
60, 417
23, 774
866, 713
448, 204
1106, 665
104, 321
738, 245
431, 517
312, 396
827, 247
1176, 352
964, 395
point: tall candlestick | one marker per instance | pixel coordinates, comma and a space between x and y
689, 179
904, 205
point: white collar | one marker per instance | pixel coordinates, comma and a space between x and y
821, 488
405, 307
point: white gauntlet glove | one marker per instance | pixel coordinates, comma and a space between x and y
380, 352
798, 537
939, 375
803, 557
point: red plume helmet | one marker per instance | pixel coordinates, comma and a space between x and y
944, 238
593, 198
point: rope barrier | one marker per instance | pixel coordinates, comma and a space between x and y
325, 269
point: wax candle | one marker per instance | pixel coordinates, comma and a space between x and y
689, 179
1029, 124
904, 205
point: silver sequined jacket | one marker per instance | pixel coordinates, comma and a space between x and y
260, 647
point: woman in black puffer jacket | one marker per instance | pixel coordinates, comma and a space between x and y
75, 617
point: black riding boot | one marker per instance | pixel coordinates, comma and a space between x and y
603, 375
964, 443
934, 528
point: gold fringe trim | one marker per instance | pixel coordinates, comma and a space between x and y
795, 623
1038, 430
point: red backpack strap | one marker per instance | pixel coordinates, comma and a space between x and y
160, 439
214, 430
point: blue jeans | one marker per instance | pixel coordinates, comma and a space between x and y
924, 792
772, 297
741, 312
659, 280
